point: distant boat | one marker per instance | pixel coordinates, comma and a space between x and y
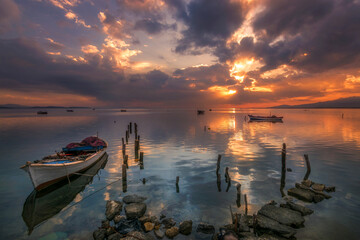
272, 118
70, 110
42, 205
123, 110
200, 112
42, 112
210, 109
75, 158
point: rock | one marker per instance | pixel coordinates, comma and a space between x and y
205, 228
118, 218
318, 198
157, 226
272, 202
134, 235
149, 236
288, 198
266, 224
307, 183
282, 215
168, 222
301, 194
144, 219
105, 224
133, 199
185, 227
299, 208
172, 232
318, 187
110, 231
154, 219
162, 216
135, 210
330, 189
327, 196
128, 225
244, 224
115, 236
99, 234
159, 234
289, 169
113, 208
148, 226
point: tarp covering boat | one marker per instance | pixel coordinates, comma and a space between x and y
88, 144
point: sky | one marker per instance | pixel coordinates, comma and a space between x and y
178, 53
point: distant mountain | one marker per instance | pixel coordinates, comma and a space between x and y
351, 102
23, 106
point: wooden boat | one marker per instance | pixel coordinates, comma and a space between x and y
272, 118
42, 205
123, 110
70, 110
60, 166
42, 112
200, 112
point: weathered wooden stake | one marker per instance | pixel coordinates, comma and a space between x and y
306, 157
177, 184
227, 177
130, 127
138, 138
218, 182
238, 195
123, 149
122, 140
126, 157
283, 170
232, 215
218, 164
127, 137
124, 177
246, 205
141, 160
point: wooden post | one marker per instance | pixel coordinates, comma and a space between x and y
127, 136
122, 140
218, 182
177, 184
130, 127
307, 166
123, 149
138, 138
238, 195
218, 164
246, 205
124, 177
126, 157
228, 186
227, 177
141, 160
283, 170
232, 215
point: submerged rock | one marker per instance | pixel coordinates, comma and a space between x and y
299, 208
318, 187
134, 235
105, 224
172, 232
113, 208
135, 210
301, 194
330, 189
205, 228
307, 183
99, 234
115, 236
159, 234
266, 224
318, 198
118, 218
282, 215
168, 222
133, 199
128, 225
185, 227
148, 226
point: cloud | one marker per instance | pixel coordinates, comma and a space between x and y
152, 27
209, 24
89, 49
9, 13
53, 45
113, 27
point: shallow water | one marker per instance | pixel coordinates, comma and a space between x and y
175, 143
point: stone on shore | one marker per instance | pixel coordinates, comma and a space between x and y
99, 234
144, 219
282, 215
135, 210
330, 189
307, 183
297, 207
133, 199
168, 222
318, 187
148, 226
115, 236
266, 224
159, 234
118, 218
172, 232
205, 228
105, 224
251, 236
185, 227
134, 235
318, 198
113, 208
301, 194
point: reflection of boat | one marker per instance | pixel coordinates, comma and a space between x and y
59, 166
200, 111
70, 110
123, 110
42, 205
272, 118
42, 112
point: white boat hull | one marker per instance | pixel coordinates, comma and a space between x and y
44, 175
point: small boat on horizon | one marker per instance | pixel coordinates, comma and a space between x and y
70, 110
42, 112
272, 118
200, 112
74, 158
123, 110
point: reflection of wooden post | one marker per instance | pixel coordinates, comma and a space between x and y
141, 160
227, 177
218, 182
308, 171
238, 195
246, 205
122, 140
177, 184
124, 177
127, 136
283, 170
130, 128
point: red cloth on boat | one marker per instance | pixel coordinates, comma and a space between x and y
93, 141
74, 145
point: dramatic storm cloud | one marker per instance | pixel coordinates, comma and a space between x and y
178, 52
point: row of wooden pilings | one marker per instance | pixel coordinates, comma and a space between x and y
125, 141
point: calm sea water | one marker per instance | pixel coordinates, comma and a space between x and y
175, 143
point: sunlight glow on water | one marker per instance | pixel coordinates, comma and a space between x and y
182, 143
